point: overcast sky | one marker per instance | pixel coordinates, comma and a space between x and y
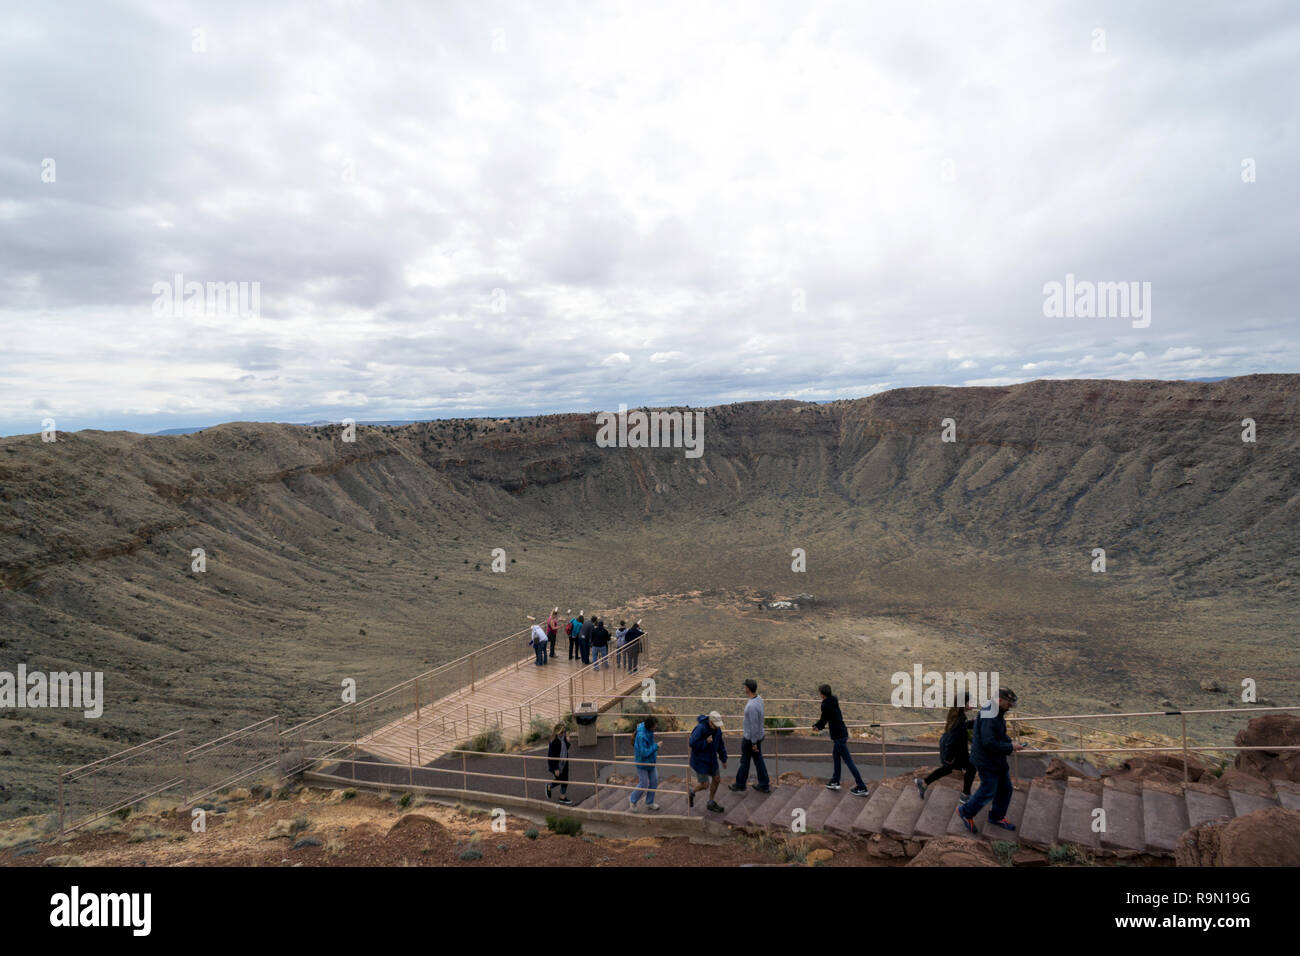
493, 208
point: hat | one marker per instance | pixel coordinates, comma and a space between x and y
555, 610
715, 719
1007, 694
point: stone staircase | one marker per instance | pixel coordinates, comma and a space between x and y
1144, 817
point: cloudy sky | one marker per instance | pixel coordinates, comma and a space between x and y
451, 209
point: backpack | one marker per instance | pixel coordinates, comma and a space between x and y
568, 628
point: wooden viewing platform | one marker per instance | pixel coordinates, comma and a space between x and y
508, 699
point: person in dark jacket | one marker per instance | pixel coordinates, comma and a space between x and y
600, 644
557, 762
833, 720
707, 751
584, 639
954, 751
989, 749
632, 647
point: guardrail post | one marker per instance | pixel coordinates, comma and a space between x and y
884, 758
60, 800
1184, 748
464, 777
410, 768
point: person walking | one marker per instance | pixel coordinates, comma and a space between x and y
600, 645
751, 742
989, 748
833, 720
954, 751
707, 752
557, 762
538, 644
584, 639
553, 630
647, 770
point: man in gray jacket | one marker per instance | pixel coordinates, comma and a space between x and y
751, 742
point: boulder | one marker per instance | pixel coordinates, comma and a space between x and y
819, 856
955, 851
280, 829
1281, 730
885, 846
1211, 686
1268, 837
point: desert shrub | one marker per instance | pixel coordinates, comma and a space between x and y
1004, 850
405, 801
349, 793
143, 834
305, 841
564, 826
300, 823
779, 725
538, 729
471, 854
1067, 853
531, 833
637, 710
488, 742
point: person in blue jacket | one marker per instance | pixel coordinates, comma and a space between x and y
989, 749
647, 773
707, 751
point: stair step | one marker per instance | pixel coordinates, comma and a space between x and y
957, 828
1288, 794
1015, 813
872, 816
1123, 820
940, 803
1164, 818
1243, 802
803, 799
826, 803
1042, 817
742, 805
846, 811
764, 812
1077, 816
906, 810
1203, 807
671, 800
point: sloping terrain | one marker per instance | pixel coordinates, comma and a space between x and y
371, 559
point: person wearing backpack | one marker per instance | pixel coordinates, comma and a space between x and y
989, 749
647, 771
557, 762
572, 630
954, 751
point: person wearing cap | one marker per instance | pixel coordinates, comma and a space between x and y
751, 742
989, 749
552, 629
833, 720
538, 643
707, 751
575, 633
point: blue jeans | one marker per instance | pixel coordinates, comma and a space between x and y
597, 653
647, 782
840, 752
995, 785
539, 650
749, 752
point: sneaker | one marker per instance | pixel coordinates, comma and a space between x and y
859, 791
690, 798
549, 786
763, 789
833, 785
716, 807
1004, 823
967, 822
920, 785
963, 798
653, 806
633, 807
735, 788
564, 799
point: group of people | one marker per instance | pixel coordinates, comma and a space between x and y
589, 640
970, 745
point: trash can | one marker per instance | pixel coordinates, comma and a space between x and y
585, 716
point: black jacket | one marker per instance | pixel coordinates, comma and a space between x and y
990, 744
832, 717
954, 746
632, 634
587, 628
600, 636
553, 761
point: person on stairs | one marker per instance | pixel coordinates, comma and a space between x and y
833, 720
954, 751
707, 751
647, 755
751, 742
989, 748
557, 762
